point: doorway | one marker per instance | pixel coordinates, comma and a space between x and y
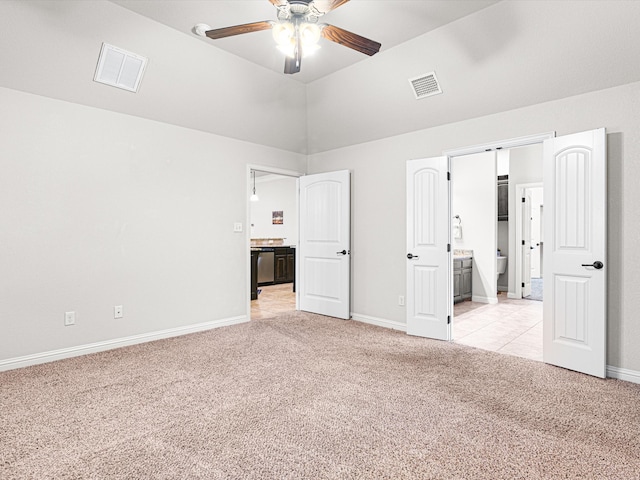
272, 221
500, 315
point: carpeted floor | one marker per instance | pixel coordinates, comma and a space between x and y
308, 397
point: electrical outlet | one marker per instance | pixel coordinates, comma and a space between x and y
237, 227
401, 300
117, 311
69, 318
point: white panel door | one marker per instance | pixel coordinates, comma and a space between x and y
429, 280
574, 322
526, 245
324, 262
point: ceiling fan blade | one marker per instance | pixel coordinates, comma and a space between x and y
325, 6
351, 40
278, 3
238, 29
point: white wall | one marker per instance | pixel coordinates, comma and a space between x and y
101, 209
474, 199
378, 200
276, 193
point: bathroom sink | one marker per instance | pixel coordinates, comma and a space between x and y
501, 265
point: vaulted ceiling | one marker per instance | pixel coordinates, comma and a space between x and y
390, 22
488, 57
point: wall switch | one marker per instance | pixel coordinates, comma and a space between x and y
69, 318
237, 227
117, 311
401, 300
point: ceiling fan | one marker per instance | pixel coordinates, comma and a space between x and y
297, 30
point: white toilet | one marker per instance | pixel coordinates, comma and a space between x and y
501, 264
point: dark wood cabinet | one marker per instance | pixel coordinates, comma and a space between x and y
291, 265
284, 266
503, 198
254, 274
280, 265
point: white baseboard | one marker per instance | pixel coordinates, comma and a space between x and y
380, 322
514, 296
489, 300
623, 374
53, 355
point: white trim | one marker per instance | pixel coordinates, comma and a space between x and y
489, 300
53, 355
380, 322
514, 296
501, 144
632, 376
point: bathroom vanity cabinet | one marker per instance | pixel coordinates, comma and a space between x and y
462, 269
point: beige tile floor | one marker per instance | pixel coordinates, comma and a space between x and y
511, 326
272, 300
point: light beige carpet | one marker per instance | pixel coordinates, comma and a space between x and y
309, 397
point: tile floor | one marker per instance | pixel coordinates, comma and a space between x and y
272, 300
513, 327
510, 326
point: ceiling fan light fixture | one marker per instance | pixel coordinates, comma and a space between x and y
288, 50
309, 33
283, 33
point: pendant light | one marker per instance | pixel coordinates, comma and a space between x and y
254, 197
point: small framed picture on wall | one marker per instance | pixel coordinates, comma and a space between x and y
277, 218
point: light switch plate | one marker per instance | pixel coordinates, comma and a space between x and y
117, 311
69, 318
237, 227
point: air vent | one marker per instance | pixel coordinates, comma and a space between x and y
119, 68
425, 85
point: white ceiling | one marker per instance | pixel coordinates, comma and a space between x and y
388, 22
508, 55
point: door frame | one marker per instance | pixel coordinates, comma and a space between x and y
497, 145
520, 191
247, 226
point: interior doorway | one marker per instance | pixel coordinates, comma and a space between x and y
272, 226
505, 311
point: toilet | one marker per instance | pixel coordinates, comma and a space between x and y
501, 264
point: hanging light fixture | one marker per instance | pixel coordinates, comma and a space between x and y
254, 197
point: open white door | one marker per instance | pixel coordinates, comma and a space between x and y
526, 245
429, 280
574, 323
324, 262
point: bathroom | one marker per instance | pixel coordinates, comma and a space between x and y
494, 241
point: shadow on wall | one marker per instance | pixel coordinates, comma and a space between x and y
615, 245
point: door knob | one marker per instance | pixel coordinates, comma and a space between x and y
343, 252
597, 265
411, 255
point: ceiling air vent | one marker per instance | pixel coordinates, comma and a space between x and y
425, 85
119, 68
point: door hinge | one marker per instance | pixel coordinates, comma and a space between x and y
522, 284
448, 319
448, 247
448, 175
523, 200
523, 242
